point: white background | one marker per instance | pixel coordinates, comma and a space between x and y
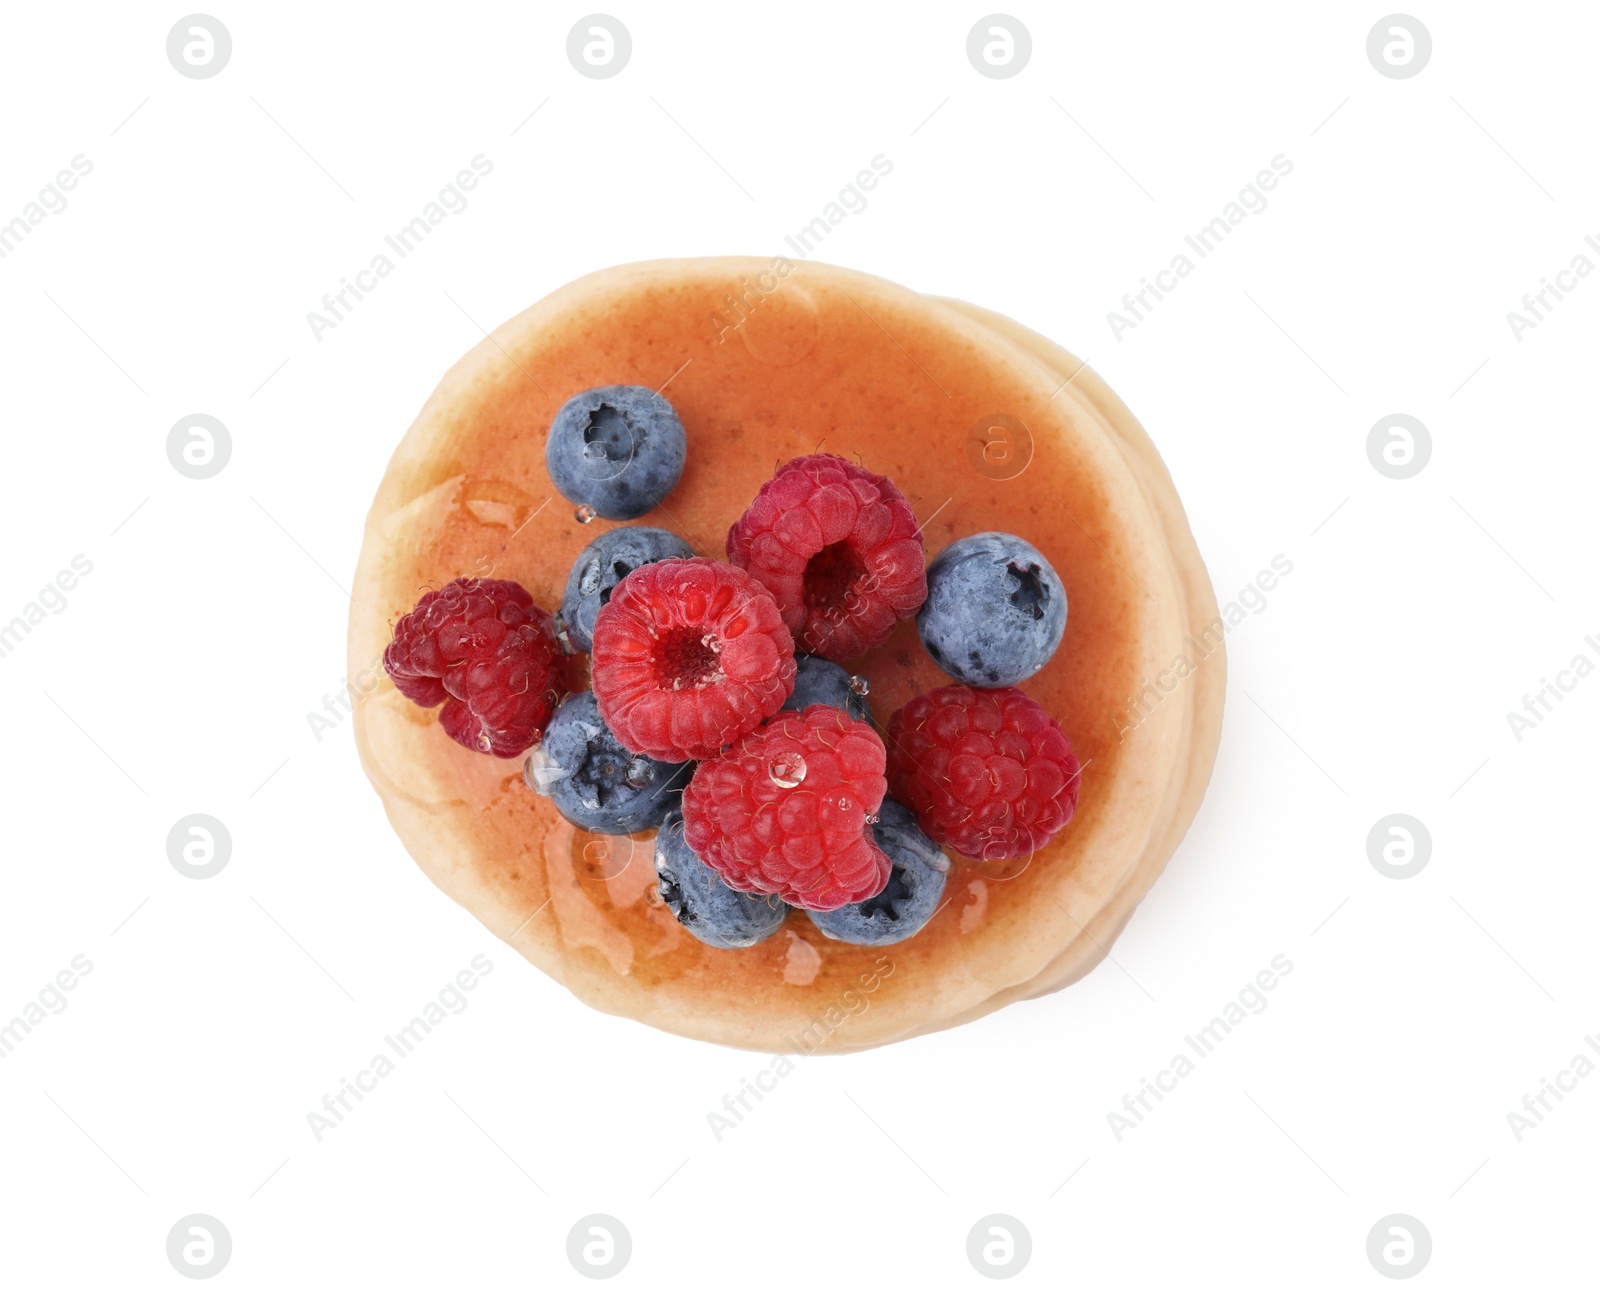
179, 676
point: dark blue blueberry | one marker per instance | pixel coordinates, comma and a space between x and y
709, 909
819, 682
916, 884
996, 610
617, 450
600, 568
595, 781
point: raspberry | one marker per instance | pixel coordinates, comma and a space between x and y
689, 655
485, 650
840, 550
988, 773
786, 810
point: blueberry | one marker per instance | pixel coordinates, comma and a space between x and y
596, 782
996, 610
600, 568
709, 909
617, 450
916, 883
819, 682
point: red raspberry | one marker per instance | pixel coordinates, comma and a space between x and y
987, 772
485, 650
839, 548
689, 655
785, 811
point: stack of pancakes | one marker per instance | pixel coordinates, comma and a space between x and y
984, 426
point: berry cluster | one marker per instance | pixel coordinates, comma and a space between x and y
700, 697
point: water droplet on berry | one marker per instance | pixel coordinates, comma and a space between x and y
640, 773
562, 637
860, 685
541, 773
873, 818
788, 769
585, 514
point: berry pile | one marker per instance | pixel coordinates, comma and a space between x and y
756, 763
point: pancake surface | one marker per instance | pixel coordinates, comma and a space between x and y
908, 385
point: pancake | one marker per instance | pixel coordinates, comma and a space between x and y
763, 366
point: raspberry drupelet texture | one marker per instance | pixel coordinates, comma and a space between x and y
839, 548
689, 655
987, 773
785, 811
489, 654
